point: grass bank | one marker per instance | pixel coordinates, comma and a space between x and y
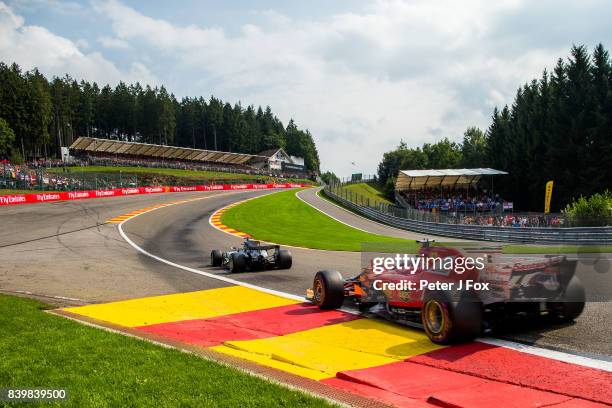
372, 191
100, 369
6, 191
285, 219
178, 173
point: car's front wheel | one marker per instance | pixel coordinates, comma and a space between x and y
328, 289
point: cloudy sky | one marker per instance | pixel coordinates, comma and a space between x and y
360, 75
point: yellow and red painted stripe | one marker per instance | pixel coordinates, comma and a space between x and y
215, 221
131, 214
367, 357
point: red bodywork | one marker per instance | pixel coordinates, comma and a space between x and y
508, 280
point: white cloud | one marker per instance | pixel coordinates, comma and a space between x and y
359, 81
56, 6
110, 42
34, 46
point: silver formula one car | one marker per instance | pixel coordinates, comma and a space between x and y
252, 256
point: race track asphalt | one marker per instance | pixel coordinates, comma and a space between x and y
66, 253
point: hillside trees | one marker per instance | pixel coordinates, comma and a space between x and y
45, 115
559, 127
7, 138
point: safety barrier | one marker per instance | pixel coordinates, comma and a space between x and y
391, 215
44, 197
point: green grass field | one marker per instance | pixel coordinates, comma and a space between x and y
284, 219
187, 174
5, 191
369, 190
103, 369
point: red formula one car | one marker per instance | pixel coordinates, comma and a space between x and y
452, 306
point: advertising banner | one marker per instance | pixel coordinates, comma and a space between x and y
548, 196
44, 197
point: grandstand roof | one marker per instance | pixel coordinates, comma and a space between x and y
417, 179
91, 144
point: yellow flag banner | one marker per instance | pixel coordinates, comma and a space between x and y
548, 196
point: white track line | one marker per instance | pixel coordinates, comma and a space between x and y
552, 354
197, 271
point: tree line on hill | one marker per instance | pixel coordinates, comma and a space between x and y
558, 128
38, 116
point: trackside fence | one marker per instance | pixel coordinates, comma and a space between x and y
438, 224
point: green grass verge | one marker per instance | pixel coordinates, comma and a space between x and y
285, 219
556, 249
187, 174
369, 190
4, 191
103, 369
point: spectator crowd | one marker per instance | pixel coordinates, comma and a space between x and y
110, 160
515, 221
451, 201
473, 207
32, 175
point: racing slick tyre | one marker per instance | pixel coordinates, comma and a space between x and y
216, 258
284, 259
572, 307
237, 262
328, 288
448, 322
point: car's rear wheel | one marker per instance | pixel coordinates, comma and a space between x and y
447, 322
237, 262
573, 304
328, 289
216, 258
284, 259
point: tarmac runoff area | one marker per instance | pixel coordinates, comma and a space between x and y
169, 239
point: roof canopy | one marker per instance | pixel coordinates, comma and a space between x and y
417, 179
90, 144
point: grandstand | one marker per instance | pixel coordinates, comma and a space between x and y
117, 152
109, 147
418, 179
449, 190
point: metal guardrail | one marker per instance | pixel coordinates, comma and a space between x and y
391, 215
401, 200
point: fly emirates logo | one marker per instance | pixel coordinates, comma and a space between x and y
18, 199
47, 197
78, 194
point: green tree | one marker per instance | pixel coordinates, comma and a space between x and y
47, 115
474, 148
329, 177
40, 112
7, 138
